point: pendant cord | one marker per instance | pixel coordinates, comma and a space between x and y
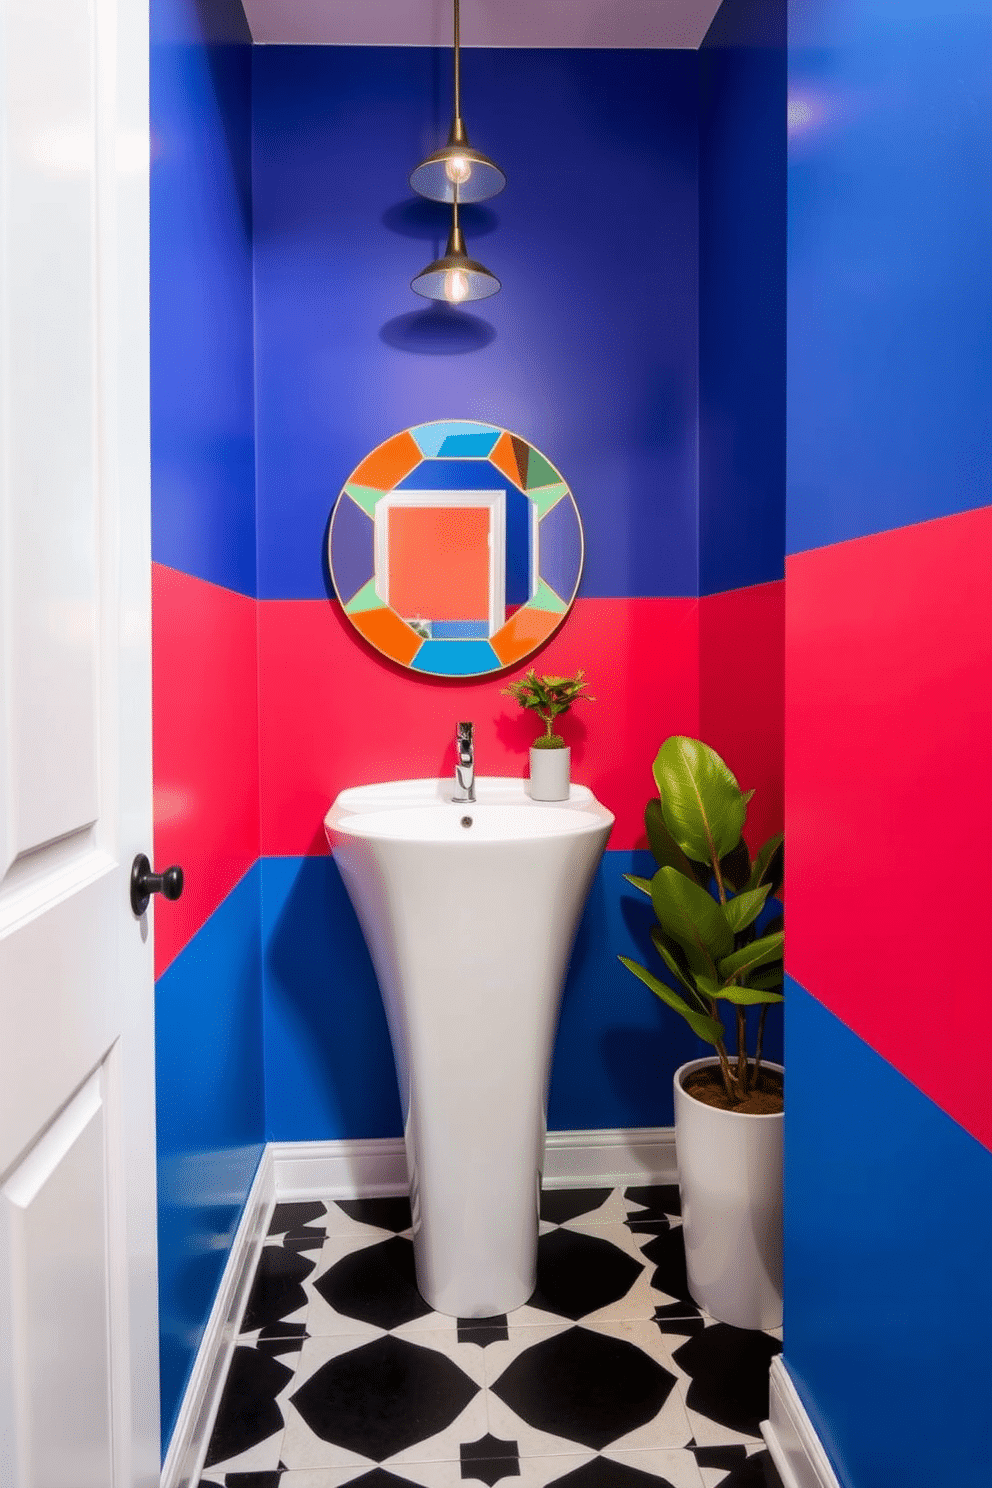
458, 67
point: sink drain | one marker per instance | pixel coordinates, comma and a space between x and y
466, 821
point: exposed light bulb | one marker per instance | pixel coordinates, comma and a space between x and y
456, 286
457, 169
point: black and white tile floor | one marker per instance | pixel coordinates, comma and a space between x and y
609, 1377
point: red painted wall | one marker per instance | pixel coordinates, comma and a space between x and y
889, 796
205, 709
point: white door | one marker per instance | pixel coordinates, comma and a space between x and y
78, 1331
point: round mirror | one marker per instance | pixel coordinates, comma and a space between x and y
456, 548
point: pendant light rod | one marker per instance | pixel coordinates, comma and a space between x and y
458, 60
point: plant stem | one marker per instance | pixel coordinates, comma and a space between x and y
741, 1053
761, 1034
728, 1079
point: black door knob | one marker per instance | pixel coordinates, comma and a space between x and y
145, 883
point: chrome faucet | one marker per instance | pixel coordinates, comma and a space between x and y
464, 763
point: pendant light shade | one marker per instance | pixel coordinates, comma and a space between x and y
457, 167
455, 277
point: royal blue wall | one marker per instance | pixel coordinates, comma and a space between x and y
202, 359
211, 1114
888, 1292
890, 239
742, 215
590, 351
208, 1011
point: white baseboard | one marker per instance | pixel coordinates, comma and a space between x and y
191, 1435
572, 1159
795, 1448
367, 1169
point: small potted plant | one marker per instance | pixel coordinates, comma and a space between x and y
709, 898
550, 756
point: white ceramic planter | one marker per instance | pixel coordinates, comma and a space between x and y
730, 1180
550, 771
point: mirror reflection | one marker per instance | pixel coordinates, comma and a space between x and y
456, 548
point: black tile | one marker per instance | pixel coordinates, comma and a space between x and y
561, 1204
659, 1201
277, 1290
585, 1386
601, 1472
578, 1273
383, 1397
292, 1216
721, 1457
489, 1459
386, 1214
279, 1347
380, 1478
728, 1370
307, 1237
483, 1331
756, 1471
667, 1253
376, 1284
681, 1327
248, 1411
252, 1480
284, 1330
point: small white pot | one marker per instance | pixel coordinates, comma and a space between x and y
549, 774
730, 1180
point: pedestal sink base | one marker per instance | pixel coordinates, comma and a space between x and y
470, 912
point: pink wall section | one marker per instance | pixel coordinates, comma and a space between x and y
889, 803
741, 694
335, 714
205, 712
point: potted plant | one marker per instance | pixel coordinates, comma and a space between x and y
550, 756
710, 899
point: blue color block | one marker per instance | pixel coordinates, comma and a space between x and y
469, 446
328, 1061
456, 658
453, 475
211, 1123
742, 281
591, 359
888, 1288
890, 241
352, 548
433, 439
459, 630
202, 352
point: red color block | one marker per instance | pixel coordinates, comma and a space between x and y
335, 714
742, 695
889, 797
205, 725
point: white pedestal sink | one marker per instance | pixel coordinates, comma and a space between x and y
470, 912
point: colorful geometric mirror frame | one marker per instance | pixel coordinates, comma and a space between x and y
456, 548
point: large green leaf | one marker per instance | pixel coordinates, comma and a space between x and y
750, 957
701, 802
744, 909
666, 850
748, 996
769, 978
675, 959
693, 917
644, 884
769, 864
710, 1029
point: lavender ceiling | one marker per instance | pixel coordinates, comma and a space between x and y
485, 23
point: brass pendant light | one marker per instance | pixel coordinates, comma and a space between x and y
457, 171
455, 277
